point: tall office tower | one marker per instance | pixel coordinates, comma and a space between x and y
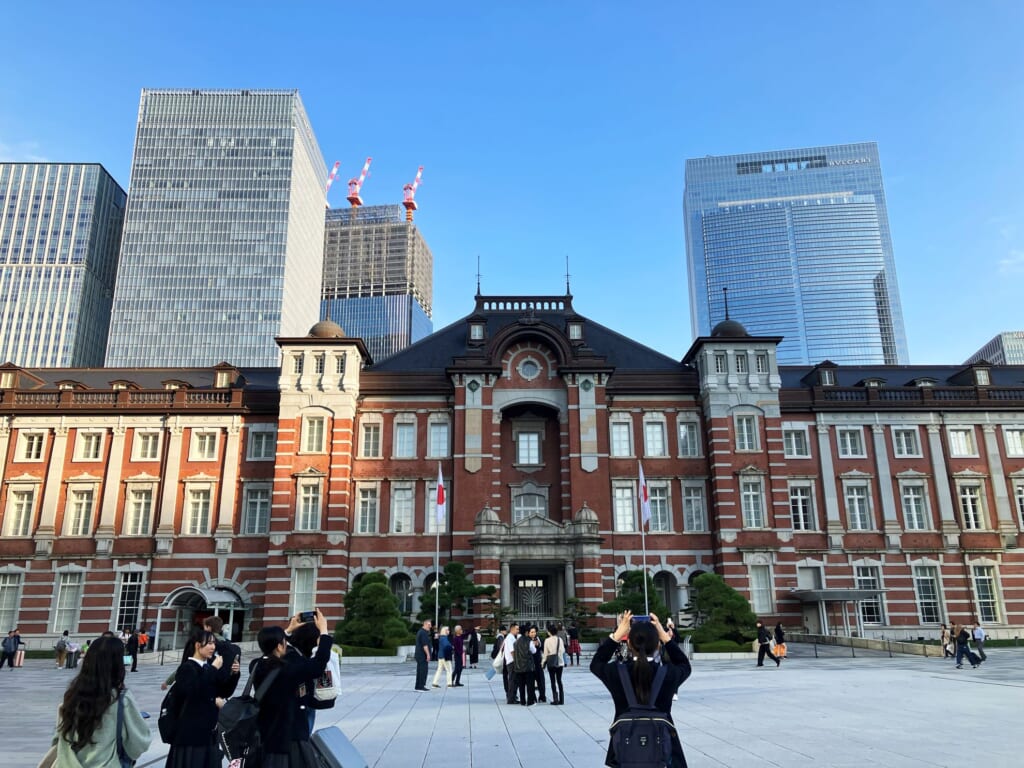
378, 277
223, 240
1005, 349
800, 238
60, 228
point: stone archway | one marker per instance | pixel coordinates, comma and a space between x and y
186, 607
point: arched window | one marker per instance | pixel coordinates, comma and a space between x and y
401, 588
526, 504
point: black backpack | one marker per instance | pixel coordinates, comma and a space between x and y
642, 735
170, 712
237, 723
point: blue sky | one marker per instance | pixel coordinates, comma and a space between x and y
562, 128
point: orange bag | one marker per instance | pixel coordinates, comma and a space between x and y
780, 649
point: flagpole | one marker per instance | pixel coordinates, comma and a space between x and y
437, 548
643, 547
645, 515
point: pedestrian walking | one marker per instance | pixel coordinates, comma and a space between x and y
195, 684
648, 644
458, 656
946, 639
98, 721
963, 647
553, 659
61, 649
780, 641
473, 647
508, 671
422, 654
574, 643
979, 640
10, 649
131, 648
764, 642
523, 665
444, 658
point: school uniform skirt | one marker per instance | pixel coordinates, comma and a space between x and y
185, 756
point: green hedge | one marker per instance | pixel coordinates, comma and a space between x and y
722, 646
353, 650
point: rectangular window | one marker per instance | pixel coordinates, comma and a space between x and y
762, 362
438, 439
367, 521
741, 363
433, 524
32, 446
622, 444
147, 446
528, 448
915, 514
794, 442
753, 504
339, 364
79, 514
10, 597
857, 512
139, 512
256, 513
985, 592
405, 441
688, 439
1014, 441
801, 507
401, 510
318, 364
205, 446
303, 589
851, 446
308, 517
197, 521
262, 445
926, 587
870, 609
721, 365
660, 516
371, 441
961, 442
129, 600
746, 433
761, 588
654, 438
313, 434
89, 446
1018, 492
625, 511
297, 364
971, 506
69, 600
905, 442
20, 507
694, 516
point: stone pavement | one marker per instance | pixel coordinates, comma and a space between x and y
828, 711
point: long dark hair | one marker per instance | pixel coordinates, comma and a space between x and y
268, 639
643, 640
92, 691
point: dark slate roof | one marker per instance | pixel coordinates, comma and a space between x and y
150, 378
796, 376
439, 350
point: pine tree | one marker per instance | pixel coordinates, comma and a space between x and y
721, 613
372, 619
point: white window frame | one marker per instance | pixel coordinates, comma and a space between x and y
255, 520
69, 588
374, 426
790, 447
430, 512
863, 517
989, 609
403, 508
132, 524
403, 445
89, 445
529, 430
962, 442
741, 362
521, 510
261, 442
1013, 439
761, 362
11, 583
900, 447
695, 508
123, 609
624, 506
80, 510
752, 502
367, 509
869, 576
660, 494
303, 589
204, 444
192, 522
721, 363
616, 425
19, 522
915, 519
655, 437
314, 438
33, 440
970, 496
851, 442
801, 506
747, 432
688, 434
139, 452
762, 592
309, 504
921, 574
1018, 494
434, 426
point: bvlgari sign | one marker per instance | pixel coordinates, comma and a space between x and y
851, 161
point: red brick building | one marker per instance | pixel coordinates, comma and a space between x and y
880, 500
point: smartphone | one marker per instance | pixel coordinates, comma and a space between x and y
638, 619
307, 617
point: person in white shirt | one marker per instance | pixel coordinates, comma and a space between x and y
979, 640
507, 672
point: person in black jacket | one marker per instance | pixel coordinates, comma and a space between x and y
131, 648
764, 645
283, 724
195, 688
648, 644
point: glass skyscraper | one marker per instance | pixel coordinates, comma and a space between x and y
60, 229
800, 238
1005, 349
378, 277
224, 230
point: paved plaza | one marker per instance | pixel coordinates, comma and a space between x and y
834, 710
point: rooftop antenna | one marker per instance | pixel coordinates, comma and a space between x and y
330, 180
478, 274
409, 194
567, 291
725, 294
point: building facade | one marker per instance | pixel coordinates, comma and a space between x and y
1005, 349
879, 500
60, 230
378, 277
223, 241
800, 238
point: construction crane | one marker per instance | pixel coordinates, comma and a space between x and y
355, 185
409, 192
330, 179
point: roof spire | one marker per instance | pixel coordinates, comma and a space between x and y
567, 291
478, 274
725, 295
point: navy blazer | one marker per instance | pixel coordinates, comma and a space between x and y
195, 689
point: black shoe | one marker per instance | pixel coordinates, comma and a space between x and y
422, 690
959, 666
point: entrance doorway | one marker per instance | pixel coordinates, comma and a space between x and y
186, 608
532, 599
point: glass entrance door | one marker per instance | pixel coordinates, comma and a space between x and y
533, 601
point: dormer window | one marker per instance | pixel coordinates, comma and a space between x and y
476, 331
117, 386
575, 331
923, 382
223, 379
172, 385
827, 377
65, 385
7, 380
981, 377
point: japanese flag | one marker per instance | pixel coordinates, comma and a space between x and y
645, 499
440, 497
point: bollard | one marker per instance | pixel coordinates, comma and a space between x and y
889, 643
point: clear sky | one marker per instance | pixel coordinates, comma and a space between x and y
554, 129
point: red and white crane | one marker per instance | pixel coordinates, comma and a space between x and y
330, 179
409, 195
355, 185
